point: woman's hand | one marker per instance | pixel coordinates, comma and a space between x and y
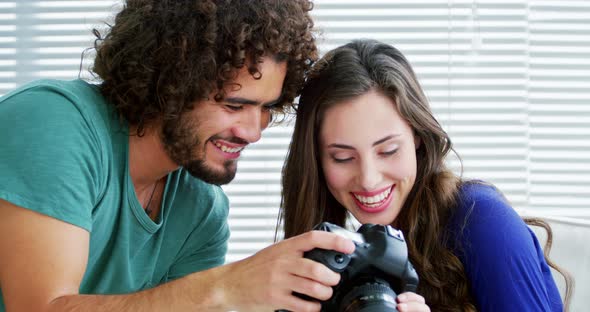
411, 302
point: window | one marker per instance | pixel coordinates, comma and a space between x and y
509, 80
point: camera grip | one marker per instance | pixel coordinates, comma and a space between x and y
335, 261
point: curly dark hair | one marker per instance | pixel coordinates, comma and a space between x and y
160, 57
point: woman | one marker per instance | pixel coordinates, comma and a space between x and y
368, 145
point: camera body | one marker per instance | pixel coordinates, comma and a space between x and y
374, 274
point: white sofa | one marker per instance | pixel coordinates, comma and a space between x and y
571, 251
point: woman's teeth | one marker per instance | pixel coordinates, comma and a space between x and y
372, 200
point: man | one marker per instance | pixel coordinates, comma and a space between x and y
108, 196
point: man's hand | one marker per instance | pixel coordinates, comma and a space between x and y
267, 280
44, 259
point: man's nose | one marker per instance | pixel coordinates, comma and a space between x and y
250, 125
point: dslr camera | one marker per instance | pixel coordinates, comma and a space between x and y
372, 276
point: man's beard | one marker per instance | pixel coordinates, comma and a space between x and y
198, 169
180, 139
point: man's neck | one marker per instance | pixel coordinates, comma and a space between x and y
148, 161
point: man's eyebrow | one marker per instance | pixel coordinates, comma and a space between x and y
344, 146
244, 101
239, 100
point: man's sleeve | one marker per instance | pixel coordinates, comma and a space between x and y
48, 156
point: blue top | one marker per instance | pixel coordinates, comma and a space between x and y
501, 254
64, 154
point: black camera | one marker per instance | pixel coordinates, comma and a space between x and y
373, 275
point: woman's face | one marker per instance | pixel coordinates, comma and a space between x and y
368, 155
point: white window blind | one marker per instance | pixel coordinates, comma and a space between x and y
509, 80
45, 39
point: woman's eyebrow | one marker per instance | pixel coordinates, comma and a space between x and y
337, 145
344, 146
389, 137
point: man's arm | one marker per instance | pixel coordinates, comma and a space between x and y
43, 262
44, 259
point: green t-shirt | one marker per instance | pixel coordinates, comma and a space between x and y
64, 153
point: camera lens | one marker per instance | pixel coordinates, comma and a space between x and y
371, 296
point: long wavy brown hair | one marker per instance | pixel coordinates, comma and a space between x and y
160, 57
348, 72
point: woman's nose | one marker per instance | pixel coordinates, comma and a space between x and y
369, 175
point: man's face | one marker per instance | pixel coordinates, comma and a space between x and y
208, 140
